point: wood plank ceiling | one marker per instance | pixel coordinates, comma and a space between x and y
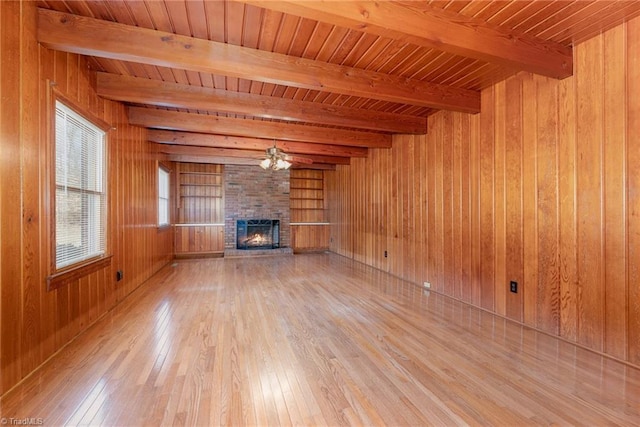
221, 81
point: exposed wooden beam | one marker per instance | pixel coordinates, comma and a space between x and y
239, 161
322, 166
219, 160
209, 151
95, 37
173, 120
239, 142
248, 154
168, 94
424, 25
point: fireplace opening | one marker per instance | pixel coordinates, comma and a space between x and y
258, 234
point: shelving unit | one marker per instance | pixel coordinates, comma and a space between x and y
309, 225
306, 196
200, 210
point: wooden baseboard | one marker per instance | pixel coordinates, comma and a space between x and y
309, 250
192, 255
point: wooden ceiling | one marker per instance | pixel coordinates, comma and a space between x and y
221, 81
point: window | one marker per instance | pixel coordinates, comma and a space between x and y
80, 212
163, 197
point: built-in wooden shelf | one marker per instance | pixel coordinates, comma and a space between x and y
309, 225
199, 227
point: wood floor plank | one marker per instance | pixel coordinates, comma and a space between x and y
316, 339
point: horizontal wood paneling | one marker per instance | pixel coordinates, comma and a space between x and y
540, 188
35, 323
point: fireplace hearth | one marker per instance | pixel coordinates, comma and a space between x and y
257, 234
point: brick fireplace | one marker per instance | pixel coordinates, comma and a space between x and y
251, 193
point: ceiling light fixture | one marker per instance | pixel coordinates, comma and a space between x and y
276, 159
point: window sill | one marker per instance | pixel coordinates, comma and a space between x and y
58, 280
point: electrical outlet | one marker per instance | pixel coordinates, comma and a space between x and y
385, 254
513, 287
427, 285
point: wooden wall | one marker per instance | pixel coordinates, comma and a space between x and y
542, 188
309, 225
35, 323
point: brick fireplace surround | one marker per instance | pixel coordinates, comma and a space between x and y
251, 192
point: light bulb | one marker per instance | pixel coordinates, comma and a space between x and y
265, 163
282, 164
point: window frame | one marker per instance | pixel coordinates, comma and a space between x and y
61, 276
163, 168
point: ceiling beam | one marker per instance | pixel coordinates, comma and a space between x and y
238, 161
424, 25
173, 120
320, 166
244, 143
220, 160
95, 37
168, 94
247, 154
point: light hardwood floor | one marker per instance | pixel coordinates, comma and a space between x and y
316, 339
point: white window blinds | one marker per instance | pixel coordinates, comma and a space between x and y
80, 188
163, 197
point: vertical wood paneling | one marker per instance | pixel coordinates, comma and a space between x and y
379, 216
568, 221
487, 219
456, 222
633, 190
514, 262
409, 203
31, 167
438, 240
466, 214
615, 260
446, 267
10, 214
199, 239
394, 216
474, 200
431, 203
423, 250
499, 208
309, 238
541, 187
35, 323
530, 200
589, 86
547, 302
373, 244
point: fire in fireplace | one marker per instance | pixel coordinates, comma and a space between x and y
258, 234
